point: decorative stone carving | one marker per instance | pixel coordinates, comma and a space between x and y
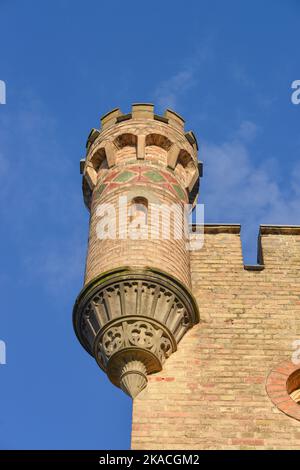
140, 334
133, 378
132, 338
133, 317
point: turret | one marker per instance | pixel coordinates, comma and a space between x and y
140, 179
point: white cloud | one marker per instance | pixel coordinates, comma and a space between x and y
41, 202
247, 131
242, 77
169, 92
236, 189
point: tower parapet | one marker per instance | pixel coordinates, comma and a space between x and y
136, 303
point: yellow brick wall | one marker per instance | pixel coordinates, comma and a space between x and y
211, 393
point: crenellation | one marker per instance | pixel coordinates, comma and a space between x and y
110, 118
174, 119
142, 111
280, 246
276, 245
142, 132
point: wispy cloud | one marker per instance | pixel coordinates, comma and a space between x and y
40, 199
168, 92
236, 189
242, 77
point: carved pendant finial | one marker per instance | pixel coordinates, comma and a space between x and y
133, 378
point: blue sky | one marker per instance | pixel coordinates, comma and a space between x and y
227, 67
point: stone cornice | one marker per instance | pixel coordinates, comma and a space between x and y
219, 228
263, 229
279, 230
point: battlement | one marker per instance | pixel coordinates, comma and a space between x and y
278, 247
142, 137
279, 229
142, 111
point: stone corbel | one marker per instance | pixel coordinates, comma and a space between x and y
110, 151
173, 155
141, 142
90, 176
130, 342
192, 180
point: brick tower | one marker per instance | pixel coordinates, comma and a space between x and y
136, 305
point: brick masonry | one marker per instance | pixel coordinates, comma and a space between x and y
213, 392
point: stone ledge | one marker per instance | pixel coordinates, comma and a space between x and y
263, 229
254, 267
279, 230
218, 228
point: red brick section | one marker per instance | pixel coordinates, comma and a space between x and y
223, 388
276, 387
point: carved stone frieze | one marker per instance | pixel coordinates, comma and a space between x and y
133, 316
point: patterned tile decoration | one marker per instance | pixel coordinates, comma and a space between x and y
100, 189
124, 176
154, 176
179, 191
140, 175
